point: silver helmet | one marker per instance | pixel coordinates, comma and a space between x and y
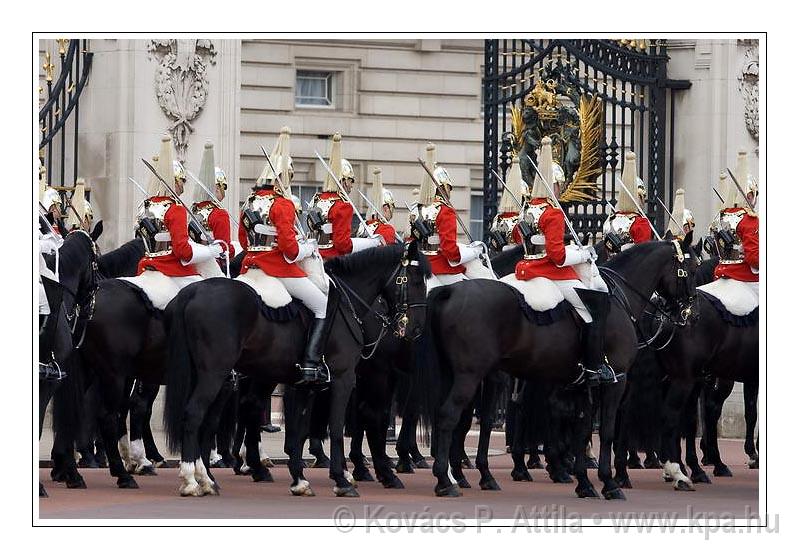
220, 180
442, 176
388, 198
347, 171
178, 171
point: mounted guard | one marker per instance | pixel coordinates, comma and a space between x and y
274, 250
208, 205
330, 215
383, 200
547, 256
626, 225
504, 234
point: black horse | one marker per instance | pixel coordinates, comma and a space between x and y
229, 314
71, 300
478, 327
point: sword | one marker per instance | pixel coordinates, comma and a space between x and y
566, 218
144, 192
639, 209
379, 214
735, 182
446, 198
671, 217
719, 196
297, 223
43, 214
213, 198
342, 192
178, 198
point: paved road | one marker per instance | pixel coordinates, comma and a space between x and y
241, 498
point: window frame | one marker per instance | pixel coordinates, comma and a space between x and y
329, 76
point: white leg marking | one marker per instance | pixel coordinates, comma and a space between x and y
138, 459
189, 486
302, 488
243, 455
202, 478
124, 452
214, 456
674, 470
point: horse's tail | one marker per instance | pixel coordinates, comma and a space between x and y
433, 376
180, 371
68, 409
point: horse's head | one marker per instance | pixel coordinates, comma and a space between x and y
78, 273
405, 292
677, 282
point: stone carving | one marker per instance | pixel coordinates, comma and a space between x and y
181, 83
748, 86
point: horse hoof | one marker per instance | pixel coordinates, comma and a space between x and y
561, 478
421, 464
88, 464
752, 463
404, 467
615, 494
58, 476
42, 491
362, 474
463, 483
393, 483
302, 488
323, 463
591, 463
262, 476
127, 483
722, 471
489, 484
700, 478
267, 462
652, 463
521, 476
586, 492
193, 491
450, 491
534, 463
623, 481
467, 464
683, 486
345, 492
635, 463
705, 462
78, 483
147, 471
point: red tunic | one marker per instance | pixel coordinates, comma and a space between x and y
552, 225
640, 230
273, 263
747, 231
387, 231
220, 223
448, 248
341, 218
176, 222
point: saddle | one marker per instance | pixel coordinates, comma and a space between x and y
159, 288
540, 299
736, 301
271, 291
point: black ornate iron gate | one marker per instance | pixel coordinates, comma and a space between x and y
61, 102
630, 80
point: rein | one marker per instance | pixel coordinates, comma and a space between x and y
90, 299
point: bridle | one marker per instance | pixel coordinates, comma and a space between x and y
678, 316
401, 307
84, 307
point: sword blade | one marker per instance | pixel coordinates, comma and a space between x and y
738, 186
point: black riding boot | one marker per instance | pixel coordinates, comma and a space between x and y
595, 364
313, 368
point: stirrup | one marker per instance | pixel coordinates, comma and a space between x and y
319, 374
51, 371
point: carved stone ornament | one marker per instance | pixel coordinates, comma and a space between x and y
181, 83
748, 85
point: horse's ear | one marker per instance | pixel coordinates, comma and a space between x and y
97, 231
686, 242
668, 236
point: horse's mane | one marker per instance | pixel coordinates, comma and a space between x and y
375, 257
705, 271
632, 257
75, 248
504, 262
121, 261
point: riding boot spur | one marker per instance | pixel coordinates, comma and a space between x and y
313, 369
594, 363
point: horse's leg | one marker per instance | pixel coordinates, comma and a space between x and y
621, 447
750, 417
297, 403
205, 392
202, 471
698, 475
520, 435
139, 418
340, 391
149, 393
457, 452
375, 425
358, 425
715, 399
674, 405
447, 418
253, 407
581, 429
487, 481
112, 388
610, 397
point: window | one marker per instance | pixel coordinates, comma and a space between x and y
476, 216
313, 89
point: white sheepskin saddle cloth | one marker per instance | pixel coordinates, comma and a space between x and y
271, 291
739, 298
476, 269
541, 294
159, 288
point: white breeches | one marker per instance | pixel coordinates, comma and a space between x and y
437, 280
311, 296
44, 306
567, 288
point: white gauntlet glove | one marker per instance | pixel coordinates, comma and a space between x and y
304, 250
361, 243
202, 253
576, 255
468, 253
